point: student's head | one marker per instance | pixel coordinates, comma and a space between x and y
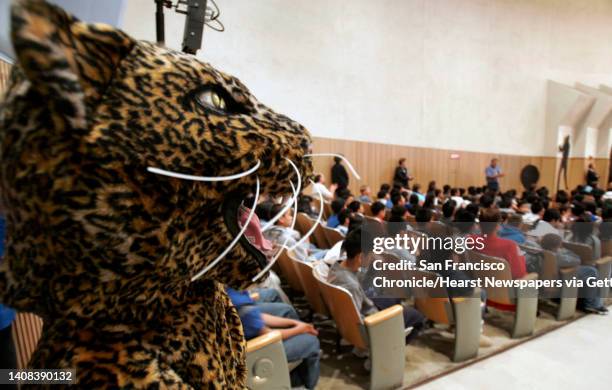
381, 195
414, 199
337, 160
385, 187
423, 215
431, 186
448, 208
319, 178
551, 242
537, 208
352, 246
344, 217
505, 202
465, 220
398, 213
286, 219
489, 219
429, 201
552, 216
264, 210
454, 192
446, 189
577, 209
337, 205
355, 207
486, 201
472, 208
364, 190
378, 210
397, 199
416, 187
402, 162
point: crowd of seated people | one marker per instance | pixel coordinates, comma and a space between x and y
509, 222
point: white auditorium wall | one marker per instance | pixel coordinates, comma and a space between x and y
451, 74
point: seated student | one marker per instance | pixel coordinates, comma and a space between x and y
345, 274
344, 218
356, 209
500, 247
416, 189
505, 204
582, 233
536, 213
300, 340
319, 185
282, 233
382, 197
378, 211
510, 228
486, 200
605, 229
305, 206
413, 204
397, 199
549, 224
589, 301
364, 194
454, 195
337, 205
448, 212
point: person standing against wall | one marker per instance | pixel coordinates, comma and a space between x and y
402, 177
339, 175
592, 178
493, 173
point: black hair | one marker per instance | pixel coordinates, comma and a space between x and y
423, 215
448, 208
487, 201
352, 243
376, 208
343, 216
536, 207
337, 205
551, 215
354, 206
381, 194
396, 198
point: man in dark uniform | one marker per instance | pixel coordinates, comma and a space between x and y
339, 175
401, 177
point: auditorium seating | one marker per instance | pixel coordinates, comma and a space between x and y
310, 285
332, 236
523, 302
603, 265
288, 270
382, 334
267, 366
464, 313
550, 271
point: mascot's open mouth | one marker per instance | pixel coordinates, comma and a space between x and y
231, 210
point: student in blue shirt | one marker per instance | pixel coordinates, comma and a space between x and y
299, 338
7, 348
337, 206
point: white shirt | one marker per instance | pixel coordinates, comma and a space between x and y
327, 195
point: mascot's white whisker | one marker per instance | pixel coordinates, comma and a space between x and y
235, 240
318, 221
284, 245
348, 163
183, 176
296, 193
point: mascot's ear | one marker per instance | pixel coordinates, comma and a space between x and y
61, 56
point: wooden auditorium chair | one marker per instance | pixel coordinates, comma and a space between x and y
332, 236
568, 295
288, 270
382, 334
327, 210
463, 313
603, 265
311, 287
523, 302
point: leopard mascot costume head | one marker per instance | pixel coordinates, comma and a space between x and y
100, 247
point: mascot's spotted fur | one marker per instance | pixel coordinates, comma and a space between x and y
104, 250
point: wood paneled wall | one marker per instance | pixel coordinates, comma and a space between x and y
376, 163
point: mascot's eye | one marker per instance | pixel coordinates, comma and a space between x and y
211, 99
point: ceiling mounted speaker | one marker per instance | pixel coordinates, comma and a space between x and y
530, 176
